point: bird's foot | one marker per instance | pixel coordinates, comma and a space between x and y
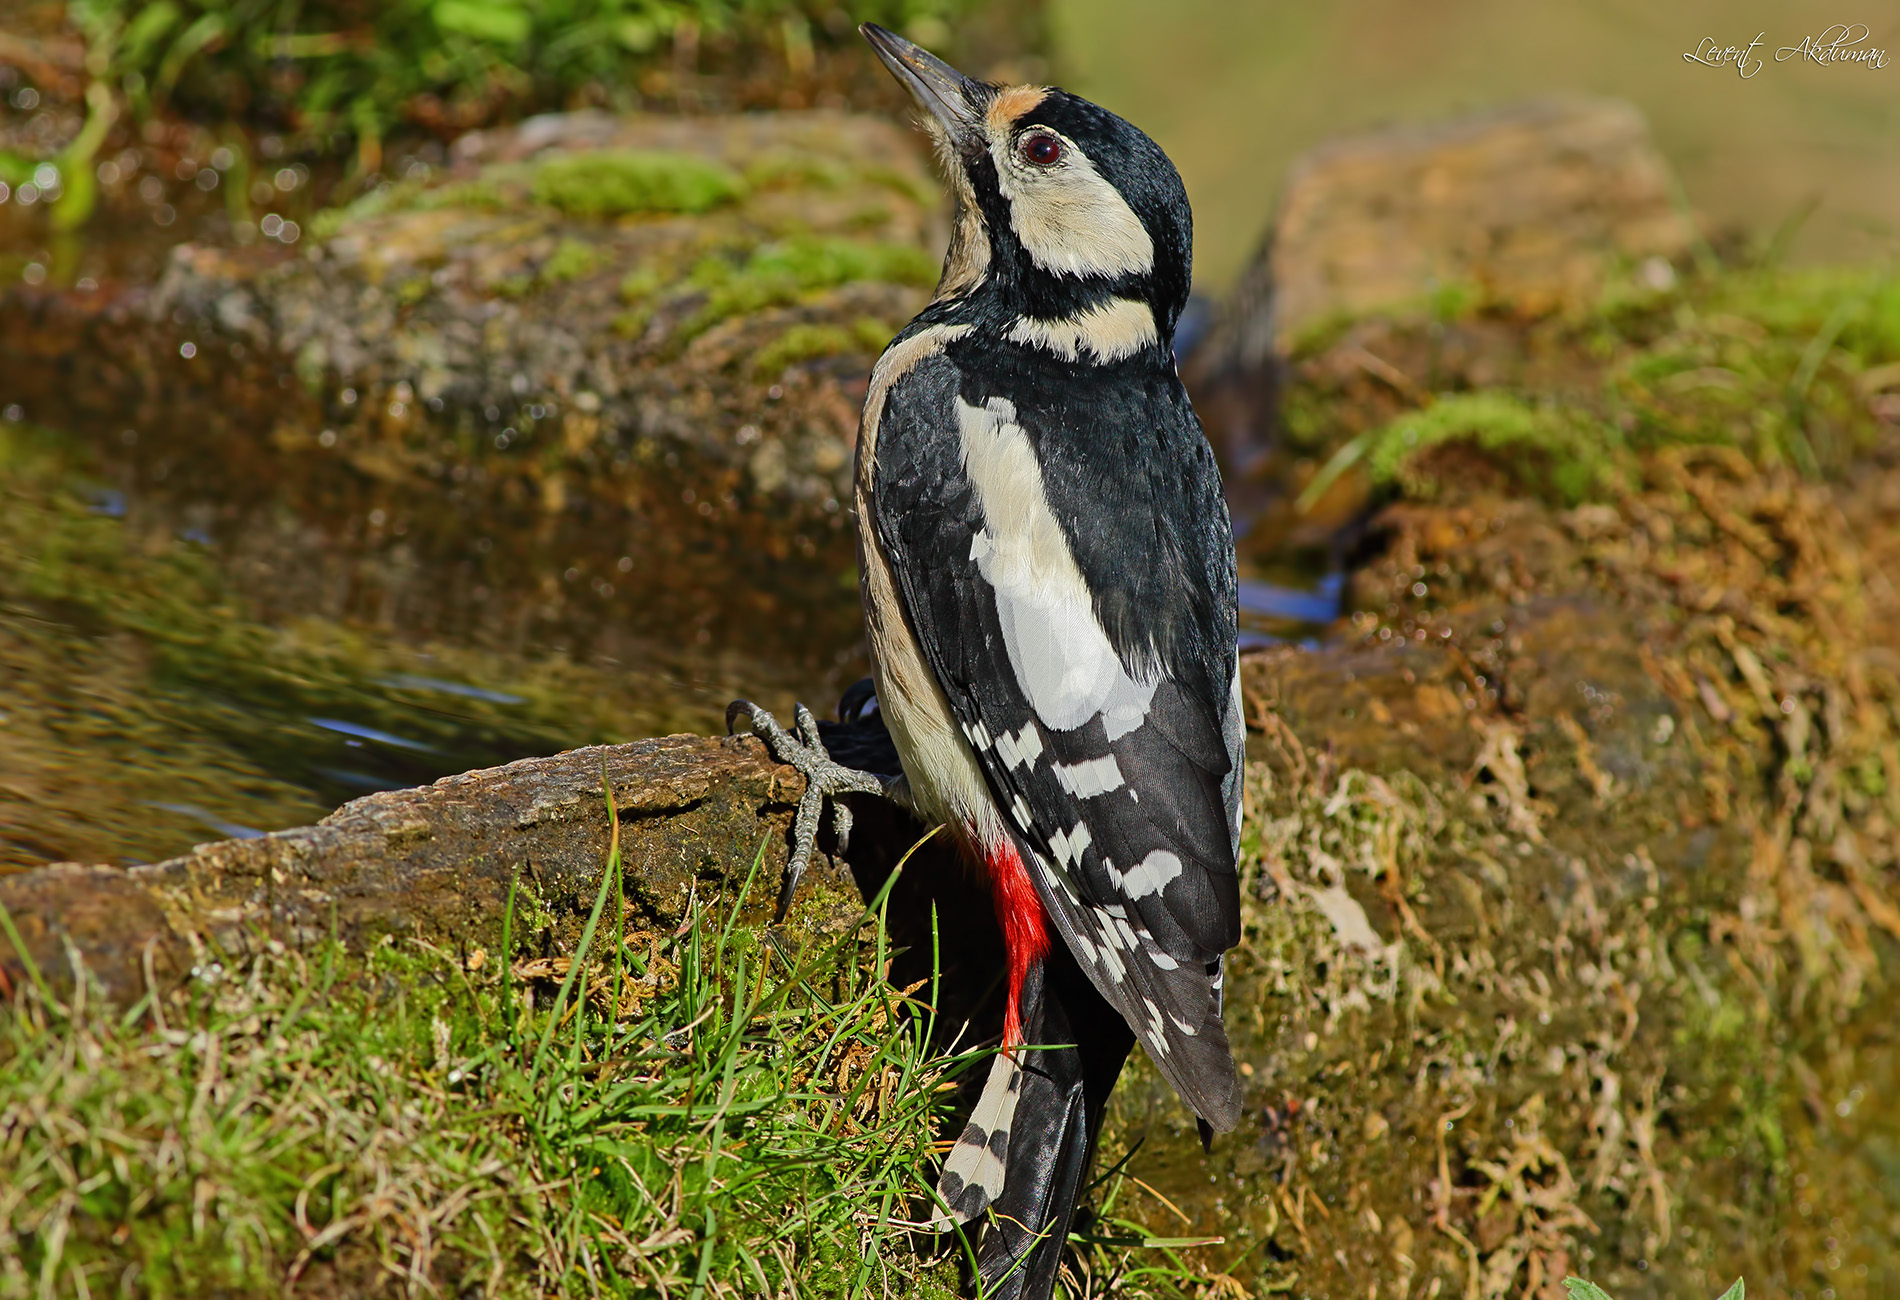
824, 779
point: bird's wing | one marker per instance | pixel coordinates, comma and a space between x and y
1120, 779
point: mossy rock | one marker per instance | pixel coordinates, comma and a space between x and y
708, 287
618, 183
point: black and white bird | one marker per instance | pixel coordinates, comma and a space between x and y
1049, 589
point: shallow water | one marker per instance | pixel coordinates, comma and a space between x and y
215, 620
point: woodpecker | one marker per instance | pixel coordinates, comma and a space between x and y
1048, 577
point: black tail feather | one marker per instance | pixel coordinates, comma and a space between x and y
1052, 1139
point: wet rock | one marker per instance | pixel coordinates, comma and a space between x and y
1529, 209
436, 862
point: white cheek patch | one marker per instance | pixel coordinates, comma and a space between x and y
1068, 218
1109, 331
1060, 655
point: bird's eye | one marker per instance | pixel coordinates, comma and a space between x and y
1041, 148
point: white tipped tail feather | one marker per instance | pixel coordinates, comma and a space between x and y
973, 1175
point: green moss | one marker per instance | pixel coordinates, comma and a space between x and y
490, 192
796, 171
1578, 1289
1455, 300
1451, 301
513, 286
784, 272
619, 183
485, 193
1764, 361
571, 260
332, 222
912, 186
1869, 777
808, 342
1562, 454
873, 216
631, 324
1777, 364
640, 284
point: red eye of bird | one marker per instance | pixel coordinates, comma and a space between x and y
1042, 149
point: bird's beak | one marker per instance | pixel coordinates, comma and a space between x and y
940, 89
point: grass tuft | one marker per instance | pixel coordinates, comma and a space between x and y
1795, 368
1578, 1289
1564, 455
712, 1111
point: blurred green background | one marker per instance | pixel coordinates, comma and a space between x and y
1234, 91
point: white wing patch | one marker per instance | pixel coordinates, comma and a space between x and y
1149, 875
1061, 656
1020, 811
1234, 731
1069, 845
1093, 777
1023, 747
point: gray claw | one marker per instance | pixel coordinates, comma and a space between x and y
824, 779
841, 825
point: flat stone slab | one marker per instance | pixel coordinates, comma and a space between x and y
436, 861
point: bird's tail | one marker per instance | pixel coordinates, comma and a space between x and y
1025, 1154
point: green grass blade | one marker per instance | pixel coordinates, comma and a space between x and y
26, 958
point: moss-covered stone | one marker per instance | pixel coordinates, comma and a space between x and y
627, 272
1571, 926
620, 183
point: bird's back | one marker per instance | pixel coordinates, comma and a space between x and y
1057, 545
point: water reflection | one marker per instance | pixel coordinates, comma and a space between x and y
1318, 604
212, 623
